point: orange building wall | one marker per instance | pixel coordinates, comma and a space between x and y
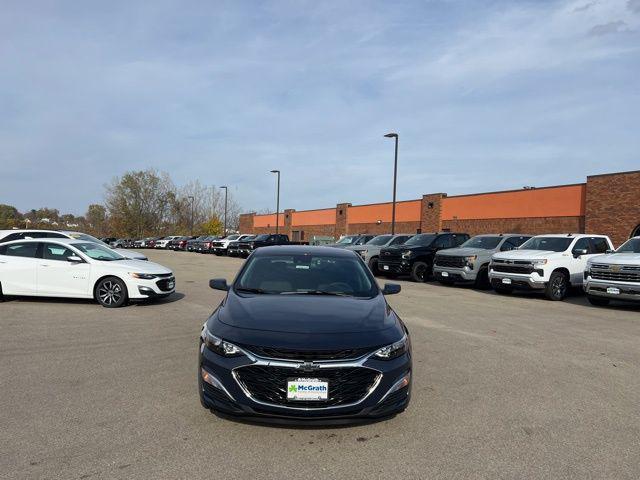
565, 201
268, 220
406, 211
326, 216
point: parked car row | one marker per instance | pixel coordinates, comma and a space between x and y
552, 264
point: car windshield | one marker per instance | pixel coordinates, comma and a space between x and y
487, 243
306, 275
422, 239
86, 238
346, 240
262, 237
98, 252
630, 246
380, 240
553, 244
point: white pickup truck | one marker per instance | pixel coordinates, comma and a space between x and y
615, 276
551, 263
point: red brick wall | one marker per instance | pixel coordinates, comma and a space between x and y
431, 213
315, 230
342, 219
384, 227
246, 222
613, 205
534, 226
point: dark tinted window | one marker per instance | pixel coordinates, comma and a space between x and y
422, 239
400, 240
47, 235
630, 246
599, 245
13, 236
306, 275
379, 240
443, 241
22, 250
582, 244
553, 244
486, 243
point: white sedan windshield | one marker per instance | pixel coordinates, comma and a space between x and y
98, 252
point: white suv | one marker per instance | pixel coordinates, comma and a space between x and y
552, 263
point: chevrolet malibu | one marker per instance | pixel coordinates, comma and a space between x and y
305, 334
61, 267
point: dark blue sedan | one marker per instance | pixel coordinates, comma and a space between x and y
305, 334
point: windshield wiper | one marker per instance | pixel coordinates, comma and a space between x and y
318, 292
250, 290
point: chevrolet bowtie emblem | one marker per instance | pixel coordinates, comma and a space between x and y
616, 268
308, 366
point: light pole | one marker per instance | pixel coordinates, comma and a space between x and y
226, 190
191, 197
395, 178
277, 201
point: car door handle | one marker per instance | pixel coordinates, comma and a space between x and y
44, 264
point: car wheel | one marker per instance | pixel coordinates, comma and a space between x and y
373, 265
419, 272
482, 280
1, 295
598, 301
557, 287
111, 292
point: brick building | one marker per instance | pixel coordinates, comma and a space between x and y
607, 204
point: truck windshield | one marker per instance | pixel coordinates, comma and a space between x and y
260, 238
630, 246
552, 244
379, 240
347, 240
487, 243
306, 275
423, 239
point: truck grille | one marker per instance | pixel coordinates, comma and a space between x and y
512, 266
269, 384
618, 273
449, 261
390, 256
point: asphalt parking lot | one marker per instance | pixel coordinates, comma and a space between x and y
504, 387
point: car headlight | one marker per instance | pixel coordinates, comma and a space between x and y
406, 254
394, 350
142, 276
218, 345
468, 261
539, 262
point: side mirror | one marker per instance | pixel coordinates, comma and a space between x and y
391, 289
74, 259
219, 284
580, 251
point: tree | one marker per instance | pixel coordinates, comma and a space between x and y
213, 226
96, 218
9, 216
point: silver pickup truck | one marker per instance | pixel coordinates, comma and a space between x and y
469, 263
614, 276
370, 251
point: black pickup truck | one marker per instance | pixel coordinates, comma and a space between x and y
264, 240
415, 256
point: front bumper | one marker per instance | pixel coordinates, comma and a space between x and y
455, 274
223, 392
402, 267
517, 281
154, 288
602, 288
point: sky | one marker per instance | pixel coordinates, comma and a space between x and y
485, 95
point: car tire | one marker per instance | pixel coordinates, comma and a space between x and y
373, 265
557, 286
482, 279
598, 301
111, 292
1, 294
419, 272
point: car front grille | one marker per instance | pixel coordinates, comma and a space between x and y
618, 273
268, 384
308, 355
512, 266
449, 261
387, 256
164, 284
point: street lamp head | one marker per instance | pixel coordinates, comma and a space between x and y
275, 171
223, 186
391, 135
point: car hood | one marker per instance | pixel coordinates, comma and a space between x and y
130, 254
464, 252
138, 266
526, 254
307, 314
617, 259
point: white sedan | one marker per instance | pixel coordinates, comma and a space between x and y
61, 267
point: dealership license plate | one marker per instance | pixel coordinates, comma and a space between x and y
171, 284
385, 267
444, 274
307, 389
506, 281
613, 291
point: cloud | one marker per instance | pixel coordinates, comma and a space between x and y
585, 7
634, 5
608, 28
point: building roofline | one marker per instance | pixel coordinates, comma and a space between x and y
628, 172
517, 190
